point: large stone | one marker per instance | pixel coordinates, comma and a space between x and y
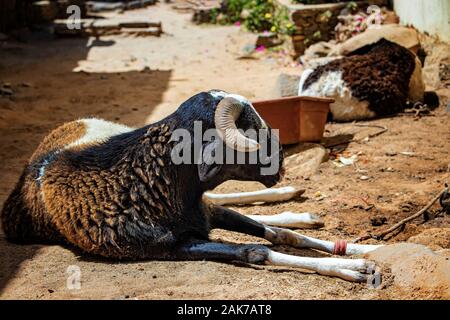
434, 238
317, 51
304, 160
286, 85
415, 269
438, 54
406, 37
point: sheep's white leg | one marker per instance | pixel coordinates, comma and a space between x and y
289, 219
348, 269
288, 237
265, 195
228, 219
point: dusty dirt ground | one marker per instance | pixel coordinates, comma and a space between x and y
185, 60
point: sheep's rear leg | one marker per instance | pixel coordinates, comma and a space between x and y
228, 219
349, 269
297, 240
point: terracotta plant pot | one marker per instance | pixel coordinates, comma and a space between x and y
299, 119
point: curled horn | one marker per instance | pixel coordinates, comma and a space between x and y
227, 112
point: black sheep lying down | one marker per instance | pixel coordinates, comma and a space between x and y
375, 80
115, 191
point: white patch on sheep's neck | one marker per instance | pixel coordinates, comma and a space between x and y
416, 87
222, 94
98, 131
346, 107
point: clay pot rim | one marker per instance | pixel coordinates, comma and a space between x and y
293, 99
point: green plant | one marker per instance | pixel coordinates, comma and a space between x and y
260, 15
325, 16
317, 1
256, 15
307, 1
233, 9
214, 15
352, 6
317, 35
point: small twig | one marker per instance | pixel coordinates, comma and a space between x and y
383, 130
381, 235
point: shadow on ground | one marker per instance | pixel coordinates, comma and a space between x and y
48, 93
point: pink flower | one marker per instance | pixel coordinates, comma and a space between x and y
260, 48
237, 23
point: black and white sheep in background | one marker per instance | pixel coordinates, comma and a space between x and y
113, 191
376, 80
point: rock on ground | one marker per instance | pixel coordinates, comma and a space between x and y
305, 160
438, 57
416, 269
318, 51
403, 36
286, 85
323, 52
434, 238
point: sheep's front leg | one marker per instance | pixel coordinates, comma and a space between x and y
294, 239
356, 270
228, 219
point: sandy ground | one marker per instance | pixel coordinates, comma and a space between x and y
185, 60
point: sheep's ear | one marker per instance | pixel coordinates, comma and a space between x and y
208, 168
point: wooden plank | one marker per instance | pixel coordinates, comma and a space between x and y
98, 27
142, 32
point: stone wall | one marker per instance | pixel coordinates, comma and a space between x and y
316, 22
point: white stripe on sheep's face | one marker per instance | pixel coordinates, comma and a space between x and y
222, 94
345, 107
